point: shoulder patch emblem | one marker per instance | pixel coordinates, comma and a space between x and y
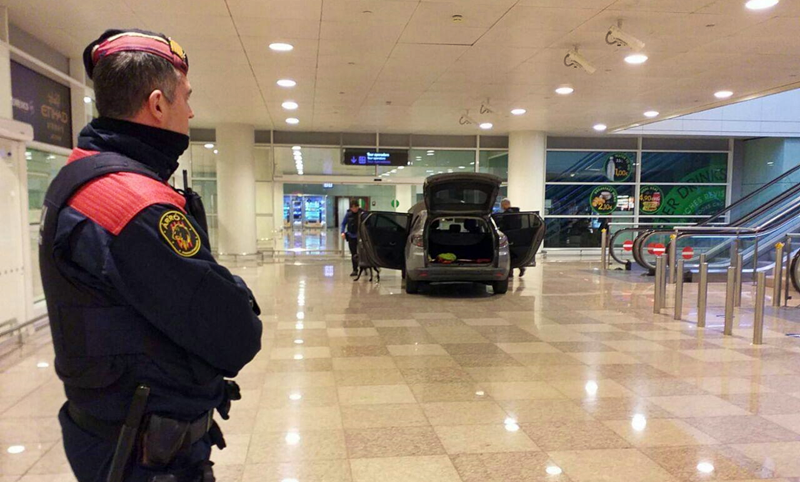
179, 233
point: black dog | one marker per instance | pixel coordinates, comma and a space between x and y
362, 270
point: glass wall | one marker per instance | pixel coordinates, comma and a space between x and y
584, 191
427, 162
204, 182
494, 162
587, 191
42, 168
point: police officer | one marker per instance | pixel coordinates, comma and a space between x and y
145, 323
349, 231
505, 205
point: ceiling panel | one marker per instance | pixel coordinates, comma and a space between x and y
277, 30
277, 9
368, 11
349, 64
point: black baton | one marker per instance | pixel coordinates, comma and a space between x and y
127, 435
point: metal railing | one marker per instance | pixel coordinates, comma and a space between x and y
733, 290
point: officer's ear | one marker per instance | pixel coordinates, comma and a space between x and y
156, 104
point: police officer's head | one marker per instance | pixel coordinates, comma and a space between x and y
140, 77
505, 204
354, 206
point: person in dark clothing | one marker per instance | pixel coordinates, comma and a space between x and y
505, 205
349, 231
145, 324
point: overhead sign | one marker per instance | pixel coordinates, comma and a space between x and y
619, 168
327, 185
603, 199
44, 104
375, 157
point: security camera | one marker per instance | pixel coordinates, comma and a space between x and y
466, 120
616, 36
576, 61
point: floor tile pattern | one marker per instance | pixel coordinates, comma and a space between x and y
570, 377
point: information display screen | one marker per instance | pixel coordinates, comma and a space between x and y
374, 157
42, 103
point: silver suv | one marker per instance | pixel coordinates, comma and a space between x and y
452, 235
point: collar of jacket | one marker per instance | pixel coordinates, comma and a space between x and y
158, 149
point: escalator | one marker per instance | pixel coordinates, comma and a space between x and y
749, 213
756, 244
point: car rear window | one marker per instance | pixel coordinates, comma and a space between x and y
460, 195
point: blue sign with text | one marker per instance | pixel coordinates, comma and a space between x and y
374, 157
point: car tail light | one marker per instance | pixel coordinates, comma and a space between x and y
417, 241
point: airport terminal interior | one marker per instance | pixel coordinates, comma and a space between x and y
576, 248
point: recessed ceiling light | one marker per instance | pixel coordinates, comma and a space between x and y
287, 83
461, 167
292, 120
760, 4
600, 127
216, 151
518, 111
281, 47
292, 438
87, 100
208, 146
486, 125
564, 90
290, 105
705, 467
553, 470
296, 148
16, 449
651, 114
636, 59
42, 364
723, 94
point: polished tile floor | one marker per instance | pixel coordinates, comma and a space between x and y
568, 377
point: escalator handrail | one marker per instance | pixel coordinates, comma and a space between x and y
756, 192
767, 227
639, 246
720, 230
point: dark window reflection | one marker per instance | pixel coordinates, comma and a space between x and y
578, 232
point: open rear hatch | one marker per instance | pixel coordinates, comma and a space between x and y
461, 193
460, 241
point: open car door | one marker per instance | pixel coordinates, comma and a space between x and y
525, 232
382, 238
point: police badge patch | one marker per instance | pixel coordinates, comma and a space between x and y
179, 233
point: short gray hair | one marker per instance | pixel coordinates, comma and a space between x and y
124, 81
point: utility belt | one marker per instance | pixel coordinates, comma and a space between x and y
160, 440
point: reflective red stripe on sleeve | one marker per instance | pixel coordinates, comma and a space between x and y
112, 201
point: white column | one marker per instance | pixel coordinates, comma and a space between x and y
5, 67
527, 151
277, 206
81, 111
236, 187
405, 196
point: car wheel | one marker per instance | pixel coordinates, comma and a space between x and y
412, 287
500, 287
